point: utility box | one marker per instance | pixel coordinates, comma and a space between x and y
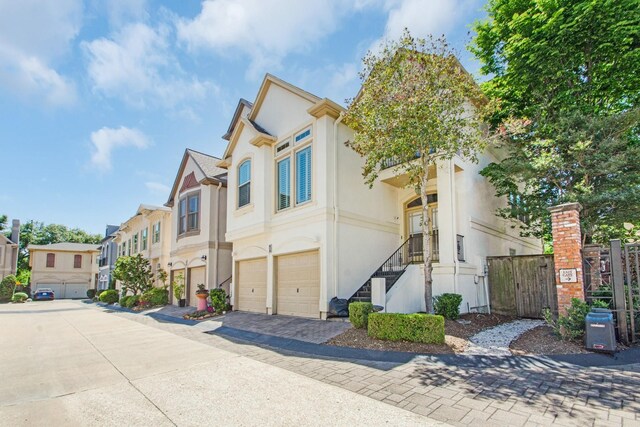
600, 334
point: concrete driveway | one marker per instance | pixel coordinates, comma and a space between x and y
64, 363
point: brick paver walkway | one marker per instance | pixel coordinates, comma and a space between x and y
516, 391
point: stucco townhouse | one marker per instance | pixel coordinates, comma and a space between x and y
108, 256
69, 269
199, 253
306, 228
146, 233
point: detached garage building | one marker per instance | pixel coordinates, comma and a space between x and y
69, 269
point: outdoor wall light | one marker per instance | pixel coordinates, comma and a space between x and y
203, 257
169, 264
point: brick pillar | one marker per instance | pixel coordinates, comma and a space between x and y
567, 253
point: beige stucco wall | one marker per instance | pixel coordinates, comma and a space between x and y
63, 270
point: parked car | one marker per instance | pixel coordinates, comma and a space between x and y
44, 294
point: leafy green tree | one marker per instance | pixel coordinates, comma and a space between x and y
415, 106
566, 75
3, 222
135, 273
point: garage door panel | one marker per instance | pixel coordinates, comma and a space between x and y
298, 284
55, 287
252, 285
75, 290
196, 277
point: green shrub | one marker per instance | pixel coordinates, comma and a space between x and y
109, 296
6, 287
155, 296
219, 300
91, 293
359, 313
19, 297
448, 305
424, 328
572, 325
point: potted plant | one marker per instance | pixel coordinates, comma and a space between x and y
202, 295
178, 290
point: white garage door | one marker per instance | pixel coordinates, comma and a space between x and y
75, 290
196, 277
298, 284
252, 285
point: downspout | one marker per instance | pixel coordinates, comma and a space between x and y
335, 203
216, 244
456, 263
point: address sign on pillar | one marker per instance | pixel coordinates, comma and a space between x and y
568, 275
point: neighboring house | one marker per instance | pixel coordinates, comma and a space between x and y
69, 269
108, 256
9, 251
198, 199
146, 233
305, 227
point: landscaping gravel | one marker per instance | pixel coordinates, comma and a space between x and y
495, 341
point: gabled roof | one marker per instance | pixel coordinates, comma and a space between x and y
4, 239
238, 123
236, 115
66, 246
207, 165
270, 79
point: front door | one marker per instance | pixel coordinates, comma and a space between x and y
414, 229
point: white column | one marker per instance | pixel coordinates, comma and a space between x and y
270, 283
379, 292
445, 212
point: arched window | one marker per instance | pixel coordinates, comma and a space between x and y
244, 183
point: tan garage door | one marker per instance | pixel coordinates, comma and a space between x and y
196, 277
298, 284
252, 285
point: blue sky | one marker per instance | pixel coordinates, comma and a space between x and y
99, 99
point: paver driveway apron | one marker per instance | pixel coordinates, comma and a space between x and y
89, 367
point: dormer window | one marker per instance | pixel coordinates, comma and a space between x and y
244, 183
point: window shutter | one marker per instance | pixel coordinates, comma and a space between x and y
303, 175
284, 183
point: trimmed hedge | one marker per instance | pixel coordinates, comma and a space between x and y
19, 297
129, 301
359, 312
424, 328
91, 293
448, 305
109, 296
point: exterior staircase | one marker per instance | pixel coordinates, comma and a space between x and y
392, 268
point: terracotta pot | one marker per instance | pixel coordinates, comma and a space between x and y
202, 295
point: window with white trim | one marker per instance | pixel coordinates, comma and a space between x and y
156, 232
284, 183
303, 175
144, 238
244, 183
293, 170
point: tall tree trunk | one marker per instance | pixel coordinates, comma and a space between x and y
426, 237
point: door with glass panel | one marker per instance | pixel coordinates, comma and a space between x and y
414, 230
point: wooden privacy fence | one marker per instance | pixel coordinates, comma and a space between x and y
522, 285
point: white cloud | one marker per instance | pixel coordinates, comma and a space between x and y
157, 187
425, 17
264, 30
106, 140
137, 65
33, 35
123, 11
